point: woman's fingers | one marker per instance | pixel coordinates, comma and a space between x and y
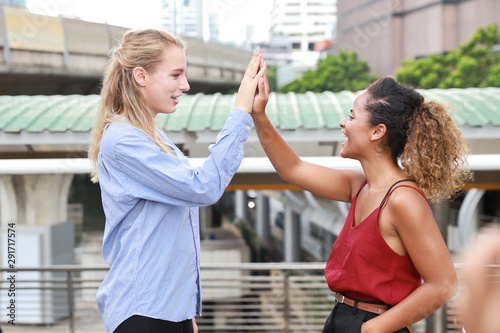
254, 64
262, 70
249, 84
262, 93
266, 83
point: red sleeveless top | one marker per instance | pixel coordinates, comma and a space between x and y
362, 265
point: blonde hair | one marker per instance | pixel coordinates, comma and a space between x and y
422, 134
120, 92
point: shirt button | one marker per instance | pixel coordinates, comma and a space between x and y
248, 128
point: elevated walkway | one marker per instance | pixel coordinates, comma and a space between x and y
45, 55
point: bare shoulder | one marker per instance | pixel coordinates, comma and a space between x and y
407, 205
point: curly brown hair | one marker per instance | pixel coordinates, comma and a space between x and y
422, 135
435, 152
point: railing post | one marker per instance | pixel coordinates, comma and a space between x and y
286, 305
70, 303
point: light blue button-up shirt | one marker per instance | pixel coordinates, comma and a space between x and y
151, 237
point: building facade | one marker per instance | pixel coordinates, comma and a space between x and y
384, 32
307, 26
184, 17
304, 22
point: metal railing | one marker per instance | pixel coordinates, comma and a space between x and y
248, 297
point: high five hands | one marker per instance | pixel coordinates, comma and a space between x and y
253, 93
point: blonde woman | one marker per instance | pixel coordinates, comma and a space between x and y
150, 193
390, 240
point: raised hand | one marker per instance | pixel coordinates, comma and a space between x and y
248, 88
262, 95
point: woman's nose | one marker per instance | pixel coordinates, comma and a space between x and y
343, 122
185, 85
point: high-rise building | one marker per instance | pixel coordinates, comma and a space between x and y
192, 18
184, 17
309, 27
304, 22
385, 32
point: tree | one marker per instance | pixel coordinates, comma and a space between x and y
474, 64
271, 76
334, 73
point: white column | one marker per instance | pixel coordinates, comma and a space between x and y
34, 199
240, 205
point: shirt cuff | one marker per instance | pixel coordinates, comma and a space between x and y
239, 116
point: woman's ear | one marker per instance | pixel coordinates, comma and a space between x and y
378, 132
140, 76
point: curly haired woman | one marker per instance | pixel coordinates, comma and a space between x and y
390, 241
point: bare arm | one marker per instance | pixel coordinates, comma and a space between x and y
422, 239
195, 326
326, 182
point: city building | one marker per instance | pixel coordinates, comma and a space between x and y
384, 32
184, 17
304, 22
308, 26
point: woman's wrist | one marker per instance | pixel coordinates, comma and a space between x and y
242, 108
259, 116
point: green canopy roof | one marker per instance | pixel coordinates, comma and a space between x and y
472, 107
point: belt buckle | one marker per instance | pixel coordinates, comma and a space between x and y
342, 300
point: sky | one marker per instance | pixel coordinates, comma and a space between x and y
138, 14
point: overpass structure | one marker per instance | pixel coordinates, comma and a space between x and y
45, 55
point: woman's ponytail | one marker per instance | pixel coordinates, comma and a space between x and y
435, 152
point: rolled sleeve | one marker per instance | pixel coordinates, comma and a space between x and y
152, 174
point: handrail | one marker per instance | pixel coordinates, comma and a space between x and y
237, 266
285, 297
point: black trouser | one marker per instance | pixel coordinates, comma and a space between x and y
141, 324
346, 319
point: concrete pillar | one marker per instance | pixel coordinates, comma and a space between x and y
441, 213
34, 199
37, 204
291, 235
468, 215
240, 205
263, 223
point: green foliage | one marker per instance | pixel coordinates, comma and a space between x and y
474, 64
333, 73
271, 76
